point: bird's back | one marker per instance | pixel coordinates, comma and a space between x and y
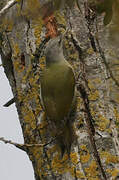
57, 90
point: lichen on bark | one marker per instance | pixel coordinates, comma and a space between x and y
24, 31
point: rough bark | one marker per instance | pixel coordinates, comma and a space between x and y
24, 31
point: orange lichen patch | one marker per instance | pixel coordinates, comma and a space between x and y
73, 56
96, 81
26, 76
84, 154
41, 168
32, 81
29, 117
102, 122
28, 134
51, 150
83, 147
84, 158
60, 166
42, 63
38, 108
43, 127
74, 158
31, 95
114, 172
17, 66
93, 112
37, 26
90, 51
51, 26
75, 173
80, 175
60, 19
19, 62
20, 95
93, 178
67, 45
80, 122
90, 84
116, 113
94, 95
79, 101
109, 158
91, 171
72, 170
37, 152
33, 92
16, 50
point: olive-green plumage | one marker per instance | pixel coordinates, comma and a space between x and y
57, 92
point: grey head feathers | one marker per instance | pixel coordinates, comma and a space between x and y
54, 51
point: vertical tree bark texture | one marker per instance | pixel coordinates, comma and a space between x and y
92, 50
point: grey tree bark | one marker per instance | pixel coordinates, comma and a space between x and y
92, 49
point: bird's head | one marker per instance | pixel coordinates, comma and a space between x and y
54, 50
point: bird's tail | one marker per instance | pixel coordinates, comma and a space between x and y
66, 139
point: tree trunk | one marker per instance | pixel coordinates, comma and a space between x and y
91, 48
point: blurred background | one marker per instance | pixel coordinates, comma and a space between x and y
14, 163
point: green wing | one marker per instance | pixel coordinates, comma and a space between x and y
57, 90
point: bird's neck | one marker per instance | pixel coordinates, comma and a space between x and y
59, 60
